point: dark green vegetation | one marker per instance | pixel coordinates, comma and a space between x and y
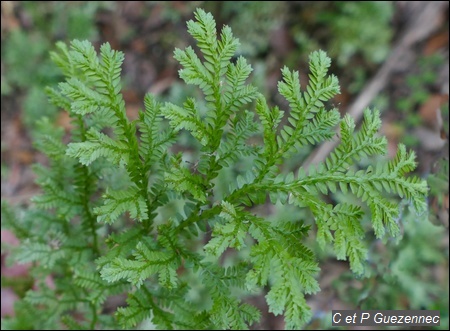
181, 234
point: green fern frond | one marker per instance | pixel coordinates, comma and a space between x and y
319, 129
141, 306
227, 311
235, 146
119, 202
230, 234
98, 145
217, 53
303, 105
110, 70
182, 180
118, 198
193, 71
99, 289
292, 272
237, 93
44, 297
146, 263
154, 141
61, 58
52, 146
73, 324
187, 118
120, 245
56, 98
12, 221
229, 314
55, 196
137, 310
222, 82
45, 254
84, 57
27, 317
85, 100
270, 119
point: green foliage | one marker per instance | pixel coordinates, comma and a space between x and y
357, 29
95, 240
413, 268
25, 52
264, 17
355, 33
419, 85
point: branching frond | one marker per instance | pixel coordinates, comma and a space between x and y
270, 118
118, 202
304, 105
122, 212
98, 145
139, 308
154, 141
182, 180
235, 146
187, 118
292, 271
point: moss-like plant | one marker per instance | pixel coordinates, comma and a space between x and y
109, 219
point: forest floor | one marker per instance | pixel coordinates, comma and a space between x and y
148, 36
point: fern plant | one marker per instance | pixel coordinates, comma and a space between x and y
121, 213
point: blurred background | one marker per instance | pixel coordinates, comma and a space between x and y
392, 55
